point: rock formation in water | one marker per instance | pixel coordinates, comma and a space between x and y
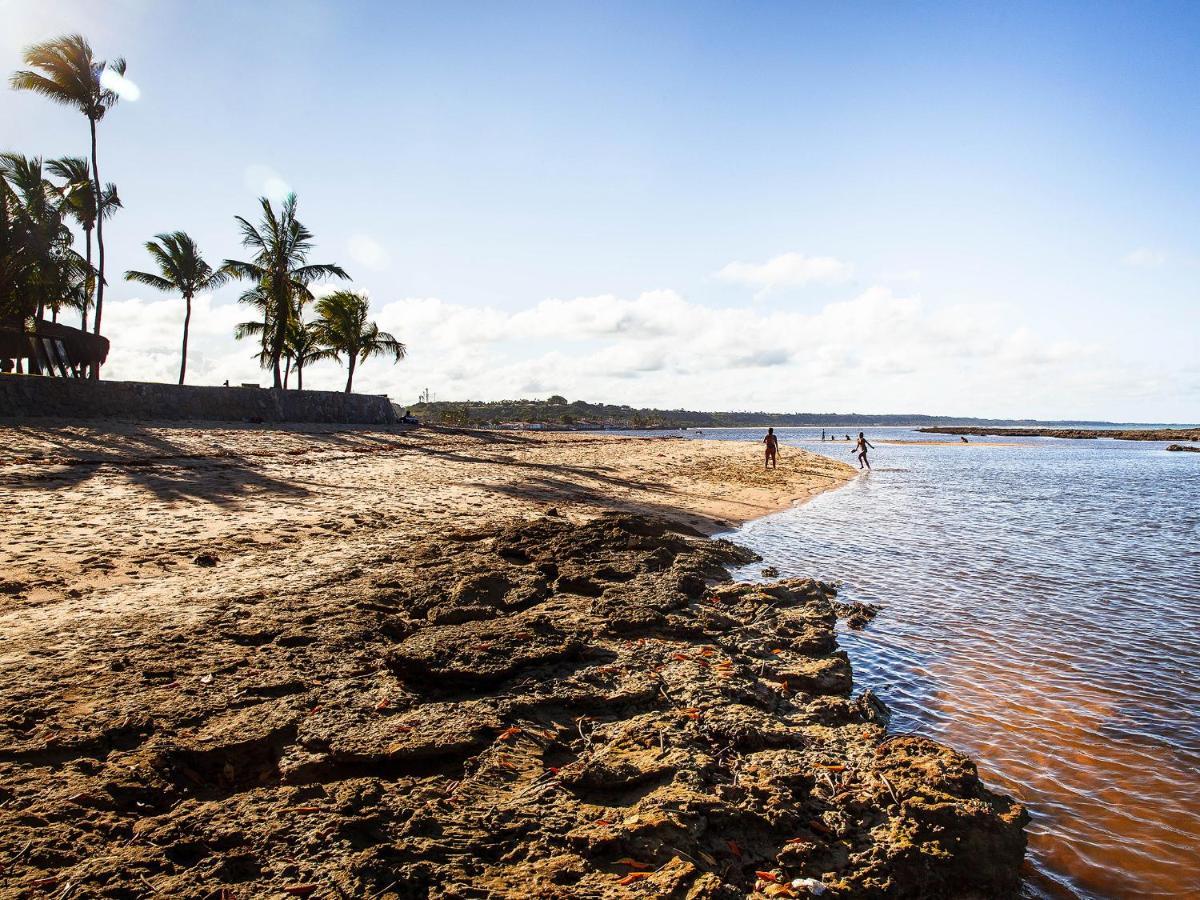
1125, 434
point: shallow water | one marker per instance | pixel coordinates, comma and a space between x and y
1042, 614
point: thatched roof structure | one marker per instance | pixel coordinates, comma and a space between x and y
23, 341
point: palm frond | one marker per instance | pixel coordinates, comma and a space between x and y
39, 84
384, 344
150, 280
317, 272
244, 330
244, 270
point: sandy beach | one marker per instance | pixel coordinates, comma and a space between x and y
338, 662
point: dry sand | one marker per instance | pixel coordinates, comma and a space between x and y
119, 513
328, 662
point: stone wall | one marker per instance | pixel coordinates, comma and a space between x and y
31, 395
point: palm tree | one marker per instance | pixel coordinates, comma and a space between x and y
71, 75
304, 347
281, 273
79, 193
182, 269
343, 328
45, 273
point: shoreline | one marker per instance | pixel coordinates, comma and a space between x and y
504, 665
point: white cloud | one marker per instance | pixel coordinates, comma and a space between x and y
146, 338
368, 252
788, 269
874, 352
1145, 257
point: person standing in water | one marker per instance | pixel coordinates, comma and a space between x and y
860, 448
772, 443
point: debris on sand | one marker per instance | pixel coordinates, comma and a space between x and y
609, 716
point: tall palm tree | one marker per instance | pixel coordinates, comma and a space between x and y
304, 347
281, 273
79, 193
181, 269
71, 75
343, 328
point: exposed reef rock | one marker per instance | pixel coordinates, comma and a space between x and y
1120, 434
549, 710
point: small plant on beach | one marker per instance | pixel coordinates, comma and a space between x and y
343, 328
66, 71
79, 194
183, 270
282, 277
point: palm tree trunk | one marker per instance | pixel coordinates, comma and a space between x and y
99, 239
350, 377
299, 376
276, 354
187, 321
287, 371
87, 294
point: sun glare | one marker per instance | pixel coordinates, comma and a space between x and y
123, 87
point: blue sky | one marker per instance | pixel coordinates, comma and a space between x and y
979, 209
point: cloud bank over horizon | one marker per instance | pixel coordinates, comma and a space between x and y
875, 350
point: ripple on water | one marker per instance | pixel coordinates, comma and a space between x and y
1042, 613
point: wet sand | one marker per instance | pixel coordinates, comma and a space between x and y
345, 662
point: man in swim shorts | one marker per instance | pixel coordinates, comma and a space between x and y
860, 448
772, 443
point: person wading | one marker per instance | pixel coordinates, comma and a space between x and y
772, 443
860, 448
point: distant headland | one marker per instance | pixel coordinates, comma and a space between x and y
557, 412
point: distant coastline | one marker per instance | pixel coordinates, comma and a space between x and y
1123, 434
558, 414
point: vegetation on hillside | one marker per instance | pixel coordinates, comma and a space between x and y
556, 412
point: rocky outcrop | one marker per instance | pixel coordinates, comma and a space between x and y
613, 718
1120, 434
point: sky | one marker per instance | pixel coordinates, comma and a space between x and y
969, 209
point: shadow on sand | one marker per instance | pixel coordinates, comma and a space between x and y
170, 471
